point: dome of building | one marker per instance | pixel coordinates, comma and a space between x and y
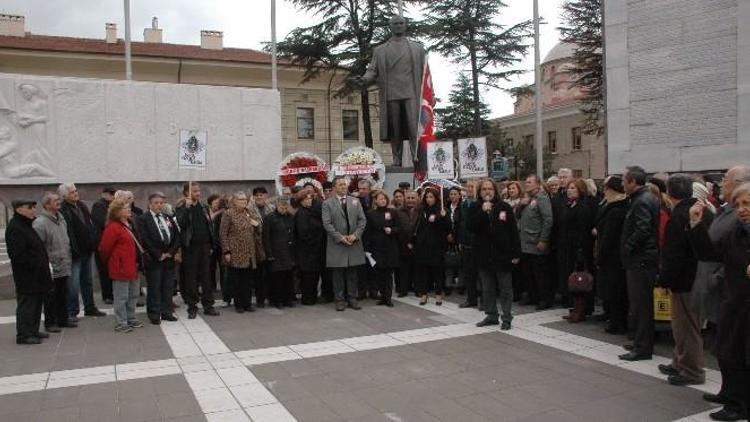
560, 51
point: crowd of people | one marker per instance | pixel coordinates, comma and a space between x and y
565, 242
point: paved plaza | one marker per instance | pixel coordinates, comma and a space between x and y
407, 363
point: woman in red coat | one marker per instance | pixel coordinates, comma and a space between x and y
118, 251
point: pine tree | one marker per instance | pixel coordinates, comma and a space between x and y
583, 28
457, 119
341, 43
466, 32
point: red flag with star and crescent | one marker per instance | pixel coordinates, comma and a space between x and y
426, 126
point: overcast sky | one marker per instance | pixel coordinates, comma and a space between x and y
246, 24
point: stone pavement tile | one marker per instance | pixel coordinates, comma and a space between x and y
190, 418
311, 409
98, 412
60, 398
521, 403
347, 405
450, 387
178, 404
66, 414
270, 372
288, 389
558, 415
621, 408
416, 391
300, 368
319, 384
17, 416
21, 402
142, 410
96, 393
683, 401
566, 391
382, 399
135, 390
449, 411
485, 405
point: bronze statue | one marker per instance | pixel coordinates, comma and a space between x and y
397, 67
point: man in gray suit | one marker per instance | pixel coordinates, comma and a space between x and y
344, 222
397, 67
535, 227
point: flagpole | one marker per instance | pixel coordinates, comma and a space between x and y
401, 8
128, 59
538, 95
274, 70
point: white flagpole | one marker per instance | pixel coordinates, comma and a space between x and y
538, 95
401, 8
128, 60
274, 76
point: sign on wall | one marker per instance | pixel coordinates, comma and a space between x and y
192, 150
472, 157
440, 160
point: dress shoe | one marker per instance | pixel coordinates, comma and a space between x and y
69, 324
401, 294
505, 326
154, 321
41, 335
423, 301
467, 305
355, 305
250, 308
29, 340
389, 303
239, 310
94, 312
73, 319
668, 369
628, 347
166, 317
340, 306
52, 329
727, 415
543, 305
210, 312
681, 380
485, 322
192, 313
633, 356
715, 398
381, 302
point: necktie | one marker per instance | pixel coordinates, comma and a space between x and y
346, 215
162, 230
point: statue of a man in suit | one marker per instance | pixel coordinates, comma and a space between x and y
397, 67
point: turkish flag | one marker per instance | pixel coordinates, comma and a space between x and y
426, 127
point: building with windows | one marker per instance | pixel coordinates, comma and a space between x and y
562, 120
313, 119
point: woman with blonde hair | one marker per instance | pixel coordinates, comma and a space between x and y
119, 249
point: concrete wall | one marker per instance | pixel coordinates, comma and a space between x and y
678, 83
104, 131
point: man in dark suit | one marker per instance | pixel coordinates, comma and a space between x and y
197, 238
160, 240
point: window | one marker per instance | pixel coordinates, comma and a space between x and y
576, 135
529, 139
552, 141
577, 173
350, 119
305, 123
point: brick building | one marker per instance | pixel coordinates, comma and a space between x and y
562, 120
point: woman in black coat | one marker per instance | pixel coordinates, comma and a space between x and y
611, 284
430, 242
381, 239
309, 247
278, 240
732, 342
575, 242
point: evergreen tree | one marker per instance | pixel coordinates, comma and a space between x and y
583, 27
466, 32
457, 119
342, 42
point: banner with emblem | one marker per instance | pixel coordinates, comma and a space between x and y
440, 160
472, 157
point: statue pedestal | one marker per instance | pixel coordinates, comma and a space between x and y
396, 175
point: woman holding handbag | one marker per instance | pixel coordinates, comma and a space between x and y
381, 240
575, 247
119, 249
453, 254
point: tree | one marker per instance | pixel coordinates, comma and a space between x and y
583, 28
466, 32
342, 42
457, 119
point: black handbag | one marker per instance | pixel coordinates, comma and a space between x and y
452, 257
581, 280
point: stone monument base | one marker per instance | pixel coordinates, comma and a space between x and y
396, 175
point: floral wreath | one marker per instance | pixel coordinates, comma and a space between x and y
360, 163
299, 169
